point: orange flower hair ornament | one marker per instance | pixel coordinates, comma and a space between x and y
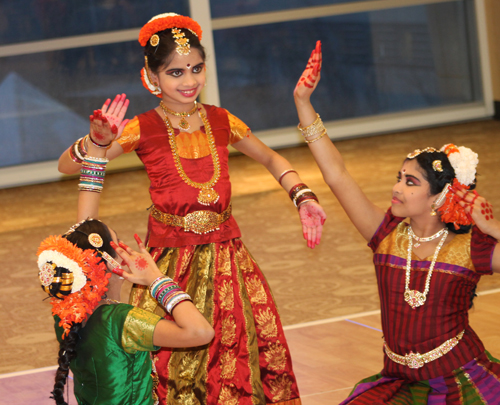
85, 281
159, 23
164, 21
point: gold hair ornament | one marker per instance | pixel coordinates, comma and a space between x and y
437, 166
154, 40
183, 47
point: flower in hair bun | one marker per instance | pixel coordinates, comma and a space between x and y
89, 281
464, 162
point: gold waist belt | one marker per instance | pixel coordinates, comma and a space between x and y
417, 360
198, 221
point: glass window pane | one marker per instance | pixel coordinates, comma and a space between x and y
46, 98
28, 20
373, 63
228, 8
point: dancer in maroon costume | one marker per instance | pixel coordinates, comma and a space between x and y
427, 267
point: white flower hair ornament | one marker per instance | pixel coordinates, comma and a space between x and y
464, 162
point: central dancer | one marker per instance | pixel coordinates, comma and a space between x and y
191, 233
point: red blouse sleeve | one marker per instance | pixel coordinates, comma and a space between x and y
482, 247
386, 227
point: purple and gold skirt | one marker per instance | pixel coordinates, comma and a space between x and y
475, 383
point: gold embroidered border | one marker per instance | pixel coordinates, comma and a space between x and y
138, 331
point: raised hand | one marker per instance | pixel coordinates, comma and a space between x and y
102, 132
142, 266
312, 217
311, 75
115, 112
476, 207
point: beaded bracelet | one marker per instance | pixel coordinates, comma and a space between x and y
167, 293
315, 128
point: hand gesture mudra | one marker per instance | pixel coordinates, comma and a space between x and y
311, 75
107, 123
312, 217
143, 269
476, 207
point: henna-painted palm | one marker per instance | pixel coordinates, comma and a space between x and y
112, 113
476, 207
310, 77
312, 217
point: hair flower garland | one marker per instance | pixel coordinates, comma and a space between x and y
86, 266
464, 162
164, 21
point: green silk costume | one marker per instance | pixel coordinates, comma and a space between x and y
113, 364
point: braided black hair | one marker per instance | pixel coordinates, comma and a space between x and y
67, 348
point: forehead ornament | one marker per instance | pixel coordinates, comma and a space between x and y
183, 47
437, 166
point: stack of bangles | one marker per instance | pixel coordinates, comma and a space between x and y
316, 130
92, 174
300, 194
77, 152
168, 293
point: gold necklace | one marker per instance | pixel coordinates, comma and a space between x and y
183, 124
207, 194
415, 298
419, 240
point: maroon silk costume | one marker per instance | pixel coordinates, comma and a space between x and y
466, 373
248, 362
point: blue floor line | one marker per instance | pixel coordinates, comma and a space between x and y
361, 324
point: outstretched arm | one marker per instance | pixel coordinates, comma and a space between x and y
365, 215
189, 328
112, 112
312, 216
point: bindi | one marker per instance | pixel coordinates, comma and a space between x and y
188, 65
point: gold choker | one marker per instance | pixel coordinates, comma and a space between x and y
183, 124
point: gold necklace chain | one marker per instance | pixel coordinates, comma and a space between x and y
183, 123
415, 298
207, 194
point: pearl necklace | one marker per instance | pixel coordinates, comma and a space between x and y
415, 298
183, 123
420, 240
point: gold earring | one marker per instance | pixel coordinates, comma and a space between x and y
433, 210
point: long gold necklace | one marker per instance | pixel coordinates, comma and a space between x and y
415, 298
183, 123
207, 194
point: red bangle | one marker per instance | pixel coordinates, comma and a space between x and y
296, 189
285, 173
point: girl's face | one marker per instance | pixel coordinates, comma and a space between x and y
182, 80
411, 194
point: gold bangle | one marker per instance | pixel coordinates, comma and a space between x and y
316, 139
315, 128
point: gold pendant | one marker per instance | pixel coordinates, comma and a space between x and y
183, 124
208, 196
414, 298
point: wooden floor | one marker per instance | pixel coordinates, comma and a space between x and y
327, 296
